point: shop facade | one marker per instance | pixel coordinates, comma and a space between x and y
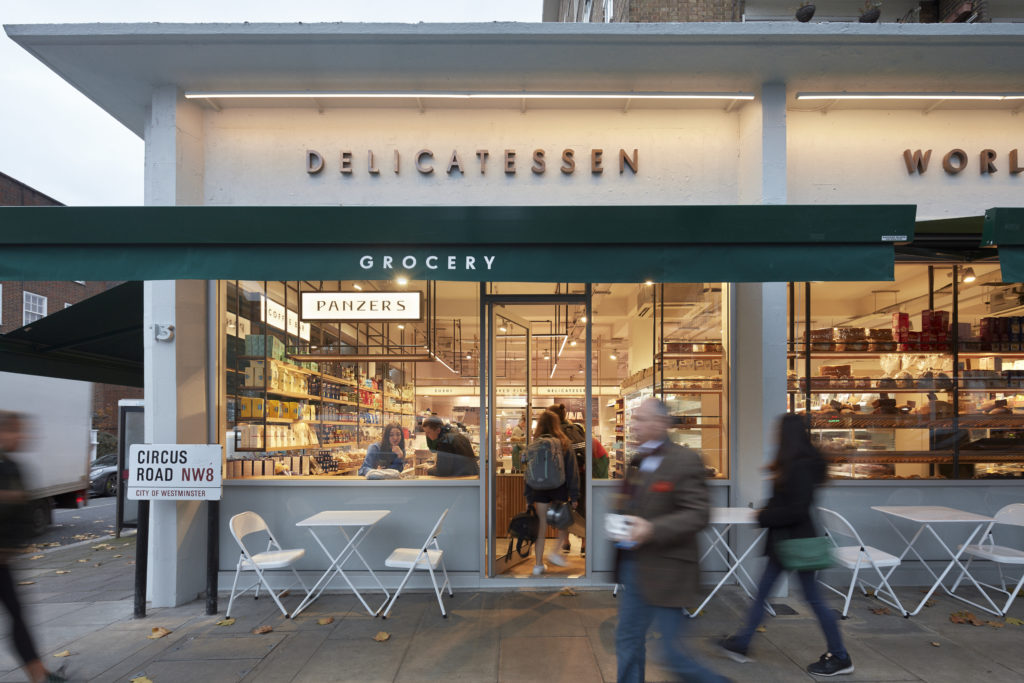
624, 228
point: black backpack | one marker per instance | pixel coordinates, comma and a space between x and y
522, 531
577, 436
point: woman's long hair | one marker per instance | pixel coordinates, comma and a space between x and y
548, 424
385, 443
795, 445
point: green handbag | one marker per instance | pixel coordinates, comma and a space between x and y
804, 554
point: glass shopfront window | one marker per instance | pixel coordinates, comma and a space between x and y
336, 379
920, 378
322, 378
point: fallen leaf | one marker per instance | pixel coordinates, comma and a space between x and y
1014, 621
323, 621
62, 571
51, 545
98, 564
263, 629
83, 560
881, 610
995, 624
25, 583
76, 516
141, 679
965, 617
762, 629
567, 591
870, 592
117, 556
930, 603
63, 653
935, 644
285, 594
36, 557
226, 622
158, 632
382, 636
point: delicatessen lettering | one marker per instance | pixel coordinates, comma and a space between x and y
426, 162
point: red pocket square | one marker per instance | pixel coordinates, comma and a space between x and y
662, 487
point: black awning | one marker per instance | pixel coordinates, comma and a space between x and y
96, 340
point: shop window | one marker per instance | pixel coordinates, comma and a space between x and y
920, 378
673, 345
317, 372
33, 307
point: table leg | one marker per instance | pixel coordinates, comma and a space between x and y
734, 564
355, 550
955, 561
334, 567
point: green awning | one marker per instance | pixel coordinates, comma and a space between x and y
525, 244
96, 340
1004, 228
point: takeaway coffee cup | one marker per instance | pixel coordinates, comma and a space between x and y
618, 527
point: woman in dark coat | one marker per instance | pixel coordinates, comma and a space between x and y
799, 469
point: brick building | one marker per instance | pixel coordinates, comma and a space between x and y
23, 302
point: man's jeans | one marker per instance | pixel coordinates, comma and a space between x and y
635, 617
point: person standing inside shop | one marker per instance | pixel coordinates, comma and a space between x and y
455, 456
518, 439
577, 436
14, 525
548, 427
798, 470
666, 503
388, 454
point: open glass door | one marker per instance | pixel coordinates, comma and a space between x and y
509, 388
526, 339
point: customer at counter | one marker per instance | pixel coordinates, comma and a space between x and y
454, 453
389, 454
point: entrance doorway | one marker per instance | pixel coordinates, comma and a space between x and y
526, 338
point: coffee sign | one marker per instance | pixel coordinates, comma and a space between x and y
361, 306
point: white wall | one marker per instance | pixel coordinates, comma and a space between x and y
256, 156
857, 157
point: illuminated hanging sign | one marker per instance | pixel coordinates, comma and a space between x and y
362, 306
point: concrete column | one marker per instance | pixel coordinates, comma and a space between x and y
174, 370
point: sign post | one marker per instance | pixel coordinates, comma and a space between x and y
168, 472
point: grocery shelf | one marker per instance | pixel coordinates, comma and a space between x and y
273, 449
339, 401
279, 392
910, 421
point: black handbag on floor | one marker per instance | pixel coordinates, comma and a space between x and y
522, 532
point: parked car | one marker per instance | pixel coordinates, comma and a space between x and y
103, 476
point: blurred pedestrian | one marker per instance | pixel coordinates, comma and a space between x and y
799, 468
666, 504
15, 523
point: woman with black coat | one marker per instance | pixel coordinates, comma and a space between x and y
799, 469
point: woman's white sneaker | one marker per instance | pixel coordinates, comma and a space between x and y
555, 558
538, 569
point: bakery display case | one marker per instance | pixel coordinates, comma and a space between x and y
918, 379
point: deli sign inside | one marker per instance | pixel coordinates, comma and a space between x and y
362, 306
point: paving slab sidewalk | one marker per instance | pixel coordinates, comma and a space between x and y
80, 599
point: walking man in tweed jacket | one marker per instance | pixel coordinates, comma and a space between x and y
667, 503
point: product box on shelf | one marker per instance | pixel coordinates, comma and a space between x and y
901, 327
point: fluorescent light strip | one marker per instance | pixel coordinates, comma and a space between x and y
993, 97
465, 95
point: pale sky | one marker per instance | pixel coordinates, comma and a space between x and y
57, 141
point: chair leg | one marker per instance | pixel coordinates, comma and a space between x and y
437, 591
1013, 595
447, 580
849, 593
234, 584
398, 591
884, 583
270, 590
299, 579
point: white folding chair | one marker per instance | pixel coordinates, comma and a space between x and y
1010, 515
274, 557
423, 557
855, 557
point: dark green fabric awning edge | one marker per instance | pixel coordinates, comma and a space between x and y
1004, 228
96, 340
515, 244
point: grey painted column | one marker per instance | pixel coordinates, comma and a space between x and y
177, 535
758, 312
